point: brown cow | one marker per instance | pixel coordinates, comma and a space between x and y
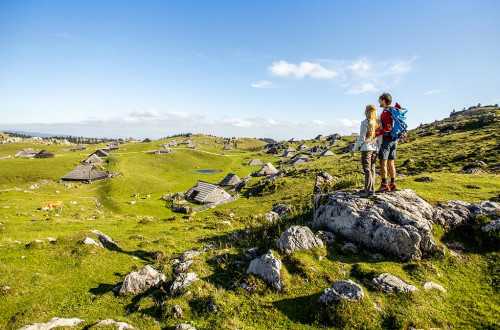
52, 204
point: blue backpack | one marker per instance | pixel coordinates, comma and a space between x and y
399, 126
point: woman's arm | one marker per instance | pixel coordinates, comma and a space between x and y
362, 135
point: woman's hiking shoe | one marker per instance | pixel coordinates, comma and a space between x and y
383, 188
393, 187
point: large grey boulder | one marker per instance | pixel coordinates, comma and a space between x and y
183, 267
183, 281
399, 223
493, 225
323, 182
90, 241
106, 240
455, 213
142, 280
190, 254
282, 209
120, 325
53, 323
298, 238
268, 268
391, 284
342, 290
433, 286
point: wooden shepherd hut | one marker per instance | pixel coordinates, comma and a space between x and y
267, 169
100, 153
85, 173
93, 159
44, 154
227, 147
230, 180
327, 153
78, 147
256, 162
26, 153
205, 193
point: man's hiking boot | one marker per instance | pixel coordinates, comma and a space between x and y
392, 187
383, 188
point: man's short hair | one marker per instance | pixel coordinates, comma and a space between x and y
386, 97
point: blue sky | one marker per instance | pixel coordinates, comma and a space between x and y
278, 69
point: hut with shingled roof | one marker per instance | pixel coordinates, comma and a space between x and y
147, 140
85, 173
100, 153
93, 159
227, 147
327, 153
26, 153
204, 193
287, 154
230, 180
267, 169
78, 147
303, 146
44, 154
256, 162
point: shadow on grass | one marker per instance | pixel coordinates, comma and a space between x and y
303, 310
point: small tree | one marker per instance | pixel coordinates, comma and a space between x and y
479, 105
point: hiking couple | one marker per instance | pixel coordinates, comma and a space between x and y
380, 137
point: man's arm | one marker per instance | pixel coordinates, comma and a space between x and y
386, 124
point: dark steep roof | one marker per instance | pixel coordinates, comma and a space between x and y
79, 147
87, 173
44, 154
230, 180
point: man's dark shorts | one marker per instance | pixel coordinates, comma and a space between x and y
388, 150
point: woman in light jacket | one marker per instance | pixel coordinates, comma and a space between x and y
369, 145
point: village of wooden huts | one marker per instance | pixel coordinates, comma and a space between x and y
85, 173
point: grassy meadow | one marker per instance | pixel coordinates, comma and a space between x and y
69, 279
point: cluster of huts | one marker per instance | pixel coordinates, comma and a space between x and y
32, 153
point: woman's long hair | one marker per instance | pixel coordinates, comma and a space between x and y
371, 115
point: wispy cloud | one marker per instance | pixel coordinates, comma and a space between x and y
181, 114
264, 84
313, 70
358, 76
349, 123
434, 91
147, 113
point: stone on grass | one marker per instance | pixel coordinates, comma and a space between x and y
120, 325
323, 182
211, 307
272, 217
184, 326
142, 280
183, 266
90, 241
268, 268
493, 225
391, 284
106, 240
432, 285
455, 213
342, 290
53, 323
282, 209
183, 281
177, 312
190, 254
349, 248
298, 238
325, 236
51, 239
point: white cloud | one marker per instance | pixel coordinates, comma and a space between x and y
180, 114
318, 123
349, 123
363, 88
314, 70
264, 84
434, 91
152, 113
362, 65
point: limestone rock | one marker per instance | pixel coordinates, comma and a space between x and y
349, 248
177, 312
282, 209
184, 326
399, 223
390, 283
493, 225
53, 323
106, 240
455, 213
268, 268
142, 280
90, 241
183, 281
120, 325
342, 290
323, 182
432, 285
325, 236
272, 217
189, 255
298, 238
183, 266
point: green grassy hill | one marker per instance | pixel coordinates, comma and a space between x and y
69, 279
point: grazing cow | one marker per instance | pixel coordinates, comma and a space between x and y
52, 204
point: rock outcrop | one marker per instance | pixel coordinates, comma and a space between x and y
298, 238
120, 325
106, 240
493, 225
53, 323
342, 290
323, 181
455, 213
391, 284
268, 268
433, 286
142, 280
183, 281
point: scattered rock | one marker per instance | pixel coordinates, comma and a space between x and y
183, 267
399, 223
53, 323
390, 283
298, 238
326, 236
183, 281
478, 164
377, 256
455, 246
272, 217
432, 285
323, 182
5, 289
455, 213
489, 118
184, 326
252, 253
282, 209
177, 312
142, 280
51, 239
190, 254
106, 240
268, 268
90, 241
471, 171
211, 307
423, 179
493, 225
349, 248
120, 325
227, 222
455, 254
342, 290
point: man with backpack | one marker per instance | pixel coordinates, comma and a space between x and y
393, 129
